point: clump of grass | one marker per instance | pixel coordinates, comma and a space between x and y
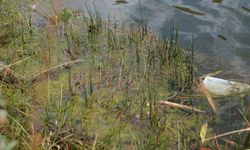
180, 62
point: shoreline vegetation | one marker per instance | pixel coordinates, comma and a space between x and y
81, 82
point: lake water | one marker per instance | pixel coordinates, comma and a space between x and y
221, 31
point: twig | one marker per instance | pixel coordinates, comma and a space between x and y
227, 133
94, 144
64, 138
180, 106
211, 74
6, 69
52, 68
10, 65
217, 143
204, 90
171, 97
232, 143
245, 119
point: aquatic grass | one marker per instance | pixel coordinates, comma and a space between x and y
172, 56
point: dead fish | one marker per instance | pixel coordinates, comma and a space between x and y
117, 2
222, 37
188, 10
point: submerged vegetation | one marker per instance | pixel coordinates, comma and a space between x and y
80, 82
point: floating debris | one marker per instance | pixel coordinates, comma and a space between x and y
190, 11
117, 2
246, 9
217, 1
224, 87
222, 37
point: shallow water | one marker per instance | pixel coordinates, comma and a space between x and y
221, 31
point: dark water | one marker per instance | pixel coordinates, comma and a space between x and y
221, 31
